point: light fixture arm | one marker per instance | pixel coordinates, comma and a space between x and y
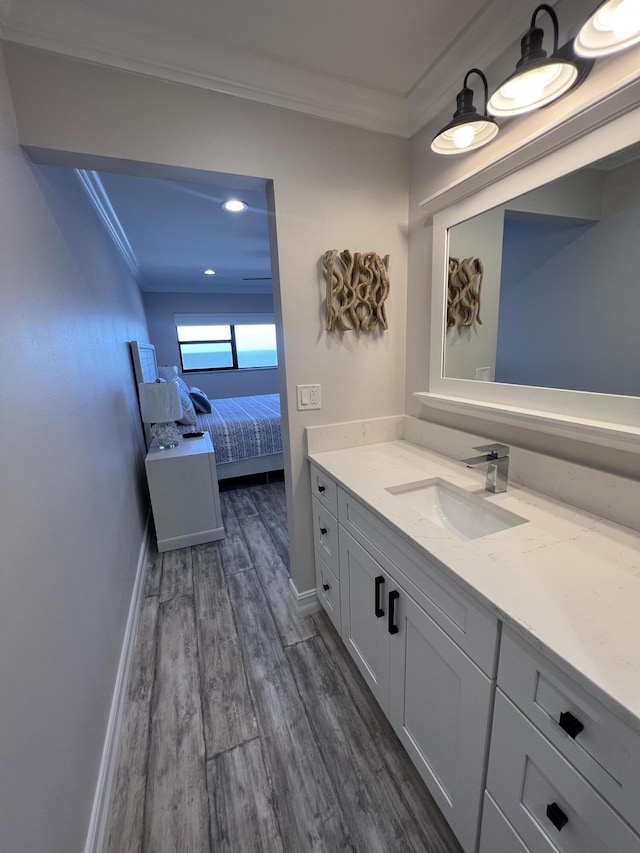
544, 7
484, 81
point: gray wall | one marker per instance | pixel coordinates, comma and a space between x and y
73, 503
578, 296
160, 309
334, 186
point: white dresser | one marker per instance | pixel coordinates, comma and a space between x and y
183, 485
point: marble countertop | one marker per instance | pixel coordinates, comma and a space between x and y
566, 580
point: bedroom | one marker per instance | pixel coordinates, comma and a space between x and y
171, 234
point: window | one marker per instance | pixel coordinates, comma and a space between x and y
227, 346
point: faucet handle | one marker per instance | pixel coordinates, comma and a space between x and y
500, 450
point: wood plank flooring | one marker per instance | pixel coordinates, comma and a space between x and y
248, 729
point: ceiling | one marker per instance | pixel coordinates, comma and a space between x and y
374, 63
169, 232
387, 66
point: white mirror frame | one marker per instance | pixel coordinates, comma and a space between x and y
604, 419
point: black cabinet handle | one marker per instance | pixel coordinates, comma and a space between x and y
570, 724
393, 597
376, 604
321, 488
323, 531
557, 817
326, 587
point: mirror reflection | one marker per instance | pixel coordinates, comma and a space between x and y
544, 290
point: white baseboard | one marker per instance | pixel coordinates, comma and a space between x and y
100, 812
306, 602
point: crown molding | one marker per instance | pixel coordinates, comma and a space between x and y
94, 188
495, 25
235, 72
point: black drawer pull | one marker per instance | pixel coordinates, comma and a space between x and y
326, 587
376, 604
321, 488
323, 531
557, 817
570, 724
393, 597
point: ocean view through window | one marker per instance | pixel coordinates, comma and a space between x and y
227, 346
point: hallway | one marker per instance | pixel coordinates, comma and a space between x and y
247, 728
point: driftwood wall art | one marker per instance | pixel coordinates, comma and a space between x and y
357, 287
463, 296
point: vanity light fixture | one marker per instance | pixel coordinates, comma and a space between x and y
209, 272
614, 26
467, 129
538, 79
234, 205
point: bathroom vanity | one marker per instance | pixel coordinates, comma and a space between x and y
500, 637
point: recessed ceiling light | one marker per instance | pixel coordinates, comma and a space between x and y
209, 272
234, 205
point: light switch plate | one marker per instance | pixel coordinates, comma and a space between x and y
308, 397
483, 374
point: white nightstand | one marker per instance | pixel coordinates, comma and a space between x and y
183, 485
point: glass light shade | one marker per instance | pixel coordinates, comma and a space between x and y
614, 26
467, 129
160, 405
458, 138
533, 88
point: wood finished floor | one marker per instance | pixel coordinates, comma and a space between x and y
247, 728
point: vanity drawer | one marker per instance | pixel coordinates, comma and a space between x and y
324, 489
328, 588
566, 814
604, 750
497, 835
325, 535
459, 615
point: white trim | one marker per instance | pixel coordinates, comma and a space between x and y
188, 539
306, 602
244, 75
606, 419
96, 835
595, 432
94, 188
237, 318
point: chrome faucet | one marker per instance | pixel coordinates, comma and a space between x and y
496, 459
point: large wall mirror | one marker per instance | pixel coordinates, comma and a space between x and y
536, 302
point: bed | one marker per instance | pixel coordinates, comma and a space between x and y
245, 431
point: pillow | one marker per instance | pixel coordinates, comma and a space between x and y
200, 401
188, 412
182, 384
166, 372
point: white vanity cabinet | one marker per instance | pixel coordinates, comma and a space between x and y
411, 633
324, 504
564, 771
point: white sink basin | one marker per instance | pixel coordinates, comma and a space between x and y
454, 509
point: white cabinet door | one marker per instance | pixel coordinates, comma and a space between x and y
364, 595
439, 707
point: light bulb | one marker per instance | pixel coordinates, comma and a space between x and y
613, 27
625, 19
463, 136
234, 205
528, 88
